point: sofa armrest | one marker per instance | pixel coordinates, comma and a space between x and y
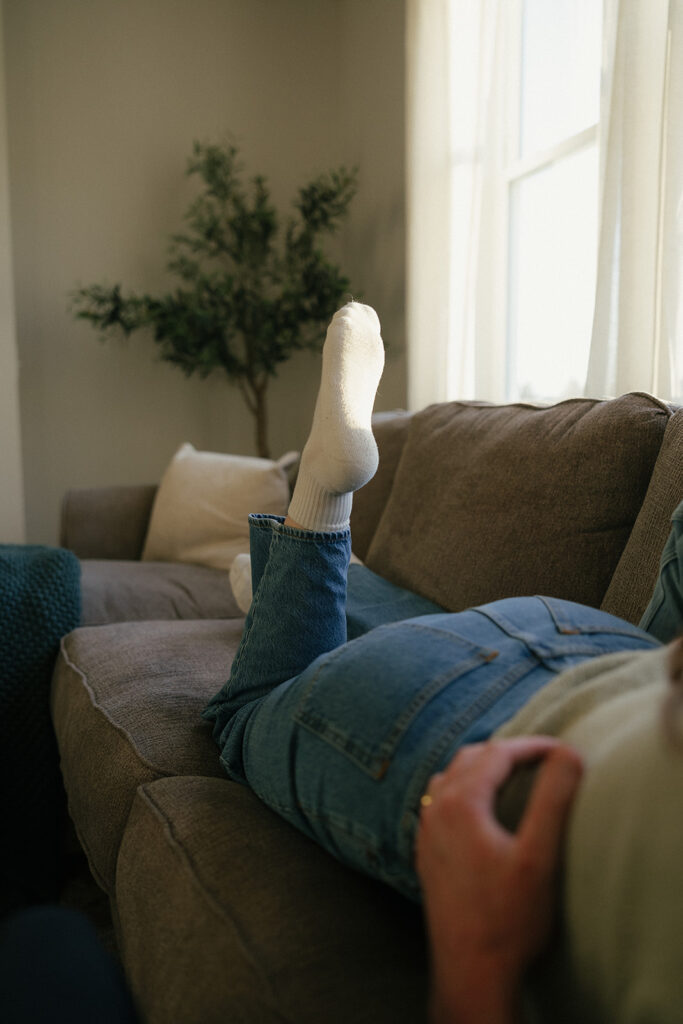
106, 522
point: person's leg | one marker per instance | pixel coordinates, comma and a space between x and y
340, 738
339, 457
371, 600
299, 565
663, 616
298, 613
345, 749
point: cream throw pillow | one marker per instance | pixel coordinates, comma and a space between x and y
201, 507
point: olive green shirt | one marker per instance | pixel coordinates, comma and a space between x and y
619, 955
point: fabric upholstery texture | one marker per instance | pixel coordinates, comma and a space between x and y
200, 510
123, 591
390, 430
635, 575
106, 522
126, 704
501, 501
224, 912
219, 896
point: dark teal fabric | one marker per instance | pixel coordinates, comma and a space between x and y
39, 603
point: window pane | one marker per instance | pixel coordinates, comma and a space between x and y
553, 232
561, 56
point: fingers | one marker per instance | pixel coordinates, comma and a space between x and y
483, 767
543, 824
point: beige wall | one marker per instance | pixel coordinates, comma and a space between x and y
372, 113
104, 99
11, 481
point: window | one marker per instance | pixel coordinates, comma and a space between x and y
545, 190
549, 184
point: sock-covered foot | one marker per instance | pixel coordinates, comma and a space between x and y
240, 581
341, 455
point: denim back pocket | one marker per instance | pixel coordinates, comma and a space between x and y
364, 696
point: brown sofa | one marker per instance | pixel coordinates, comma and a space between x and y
222, 911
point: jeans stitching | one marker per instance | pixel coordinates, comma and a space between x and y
273, 526
341, 740
359, 835
365, 844
374, 761
611, 628
277, 526
342, 824
453, 735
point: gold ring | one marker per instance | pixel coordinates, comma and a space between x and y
426, 800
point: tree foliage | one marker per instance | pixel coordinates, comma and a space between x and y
253, 288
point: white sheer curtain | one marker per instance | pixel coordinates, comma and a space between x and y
636, 341
456, 95
452, 115
429, 200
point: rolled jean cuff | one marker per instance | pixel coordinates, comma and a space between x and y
266, 521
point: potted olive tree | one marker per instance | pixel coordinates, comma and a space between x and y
253, 288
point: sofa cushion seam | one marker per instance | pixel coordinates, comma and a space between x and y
189, 866
162, 772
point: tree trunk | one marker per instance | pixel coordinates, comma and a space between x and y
261, 417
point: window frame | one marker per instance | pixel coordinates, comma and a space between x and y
511, 169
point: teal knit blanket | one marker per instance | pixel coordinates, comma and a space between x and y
39, 603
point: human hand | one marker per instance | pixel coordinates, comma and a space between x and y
489, 895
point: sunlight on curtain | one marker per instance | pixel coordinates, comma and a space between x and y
474, 305
636, 340
450, 64
552, 226
428, 200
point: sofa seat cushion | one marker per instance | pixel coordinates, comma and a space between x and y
122, 591
126, 704
501, 501
227, 913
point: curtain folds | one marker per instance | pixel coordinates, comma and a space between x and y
634, 344
429, 200
453, 113
456, 94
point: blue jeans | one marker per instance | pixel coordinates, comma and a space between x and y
341, 738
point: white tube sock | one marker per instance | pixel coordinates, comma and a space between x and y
240, 581
341, 455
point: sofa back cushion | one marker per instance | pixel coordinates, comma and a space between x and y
201, 509
496, 501
106, 522
128, 591
390, 430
